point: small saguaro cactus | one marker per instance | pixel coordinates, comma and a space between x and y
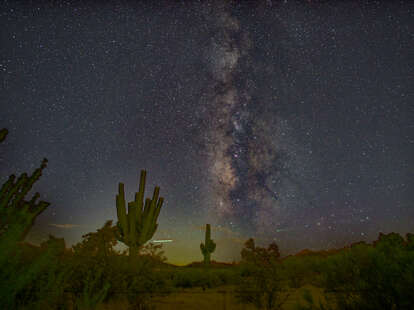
140, 224
208, 247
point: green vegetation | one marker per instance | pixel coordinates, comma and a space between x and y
208, 246
263, 277
140, 224
378, 276
93, 275
17, 216
191, 277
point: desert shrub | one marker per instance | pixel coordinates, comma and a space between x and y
297, 271
373, 277
153, 253
101, 273
27, 279
228, 276
310, 304
202, 277
193, 277
263, 278
36, 277
93, 291
138, 282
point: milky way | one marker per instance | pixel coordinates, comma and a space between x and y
277, 120
254, 161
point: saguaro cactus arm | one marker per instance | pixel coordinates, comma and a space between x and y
122, 224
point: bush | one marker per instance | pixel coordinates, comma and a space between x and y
263, 279
373, 277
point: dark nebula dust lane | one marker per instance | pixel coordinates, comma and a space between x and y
250, 147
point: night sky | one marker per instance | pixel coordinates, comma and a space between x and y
284, 121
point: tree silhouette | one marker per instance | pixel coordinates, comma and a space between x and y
262, 277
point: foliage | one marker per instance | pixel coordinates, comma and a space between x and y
263, 277
137, 281
187, 277
252, 254
361, 276
47, 290
297, 269
101, 273
98, 245
154, 253
35, 277
94, 290
378, 276
310, 303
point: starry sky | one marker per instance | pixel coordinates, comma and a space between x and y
285, 121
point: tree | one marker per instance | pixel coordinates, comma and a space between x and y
260, 256
98, 244
262, 277
46, 275
154, 252
94, 264
379, 276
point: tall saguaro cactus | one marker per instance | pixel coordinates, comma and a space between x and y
140, 224
208, 247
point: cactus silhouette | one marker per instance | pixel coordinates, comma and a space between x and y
140, 224
208, 247
17, 215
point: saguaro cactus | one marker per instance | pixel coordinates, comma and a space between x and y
208, 247
140, 224
17, 215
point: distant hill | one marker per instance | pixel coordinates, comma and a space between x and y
320, 253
